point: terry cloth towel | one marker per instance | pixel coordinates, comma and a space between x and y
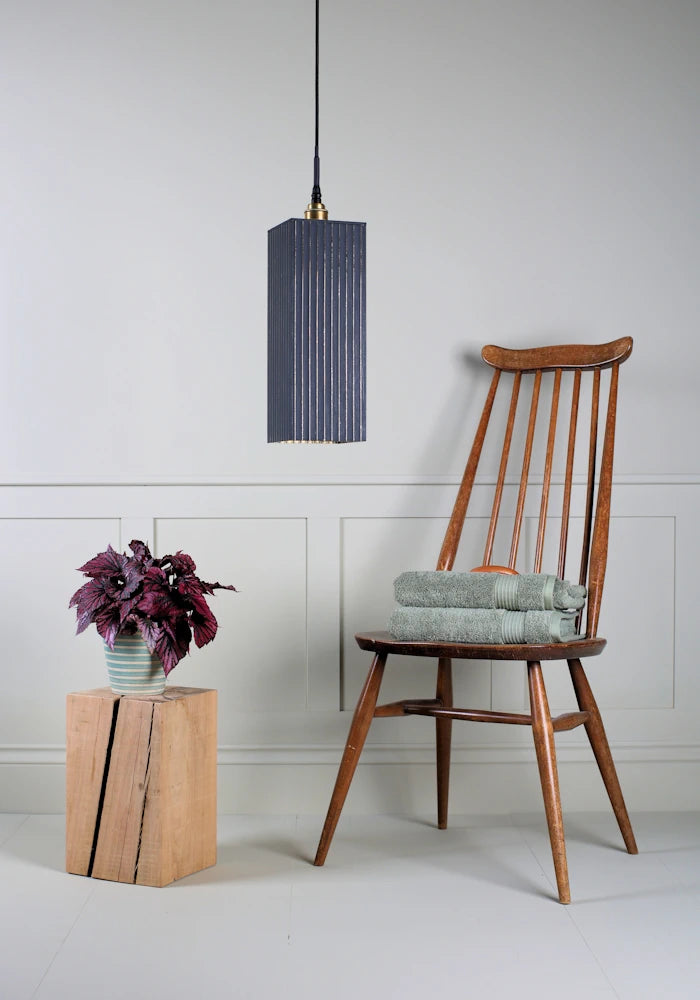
529, 592
481, 625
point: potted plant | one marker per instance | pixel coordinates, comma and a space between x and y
147, 611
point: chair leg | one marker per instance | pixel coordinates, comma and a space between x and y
543, 734
601, 750
443, 740
364, 713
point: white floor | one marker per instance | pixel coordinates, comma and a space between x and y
400, 910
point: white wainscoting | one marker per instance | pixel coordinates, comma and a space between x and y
313, 562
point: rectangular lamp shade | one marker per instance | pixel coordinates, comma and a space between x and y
316, 331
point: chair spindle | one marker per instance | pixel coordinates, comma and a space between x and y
566, 505
590, 486
599, 549
498, 495
454, 528
526, 469
547, 477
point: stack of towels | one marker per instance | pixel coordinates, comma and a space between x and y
485, 608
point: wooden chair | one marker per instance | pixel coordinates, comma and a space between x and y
583, 361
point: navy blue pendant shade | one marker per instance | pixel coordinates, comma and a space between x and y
317, 354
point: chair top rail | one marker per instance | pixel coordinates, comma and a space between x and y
565, 356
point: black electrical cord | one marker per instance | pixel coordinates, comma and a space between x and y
316, 192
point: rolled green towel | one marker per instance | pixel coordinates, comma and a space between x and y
528, 592
481, 625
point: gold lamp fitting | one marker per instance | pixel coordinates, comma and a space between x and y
316, 210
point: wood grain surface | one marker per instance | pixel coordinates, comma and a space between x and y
141, 784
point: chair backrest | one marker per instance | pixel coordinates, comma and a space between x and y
581, 360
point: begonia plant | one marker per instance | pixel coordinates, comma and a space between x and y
160, 598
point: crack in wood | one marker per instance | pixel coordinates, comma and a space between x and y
146, 779
103, 789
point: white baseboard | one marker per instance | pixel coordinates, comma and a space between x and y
495, 786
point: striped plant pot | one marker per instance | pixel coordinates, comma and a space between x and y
132, 669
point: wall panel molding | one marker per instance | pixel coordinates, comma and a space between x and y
407, 479
416, 753
308, 731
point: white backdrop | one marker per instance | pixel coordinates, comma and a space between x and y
529, 174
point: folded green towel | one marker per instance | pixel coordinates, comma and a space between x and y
481, 625
529, 592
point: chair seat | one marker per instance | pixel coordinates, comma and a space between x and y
384, 642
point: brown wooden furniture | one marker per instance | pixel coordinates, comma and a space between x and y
141, 784
583, 361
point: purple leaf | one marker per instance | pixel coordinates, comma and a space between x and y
108, 625
189, 586
155, 577
155, 604
204, 626
173, 644
141, 551
83, 622
126, 609
180, 562
151, 633
90, 597
133, 578
209, 588
109, 563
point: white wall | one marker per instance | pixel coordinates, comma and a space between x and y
529, 174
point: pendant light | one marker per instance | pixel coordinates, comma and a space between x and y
316, 323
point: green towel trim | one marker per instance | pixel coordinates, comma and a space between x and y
482, 625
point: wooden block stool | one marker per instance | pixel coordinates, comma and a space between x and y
141, 784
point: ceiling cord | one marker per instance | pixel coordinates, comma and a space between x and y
316, 192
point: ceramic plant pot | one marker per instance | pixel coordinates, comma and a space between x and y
132, 669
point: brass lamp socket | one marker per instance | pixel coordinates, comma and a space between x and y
316, 210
